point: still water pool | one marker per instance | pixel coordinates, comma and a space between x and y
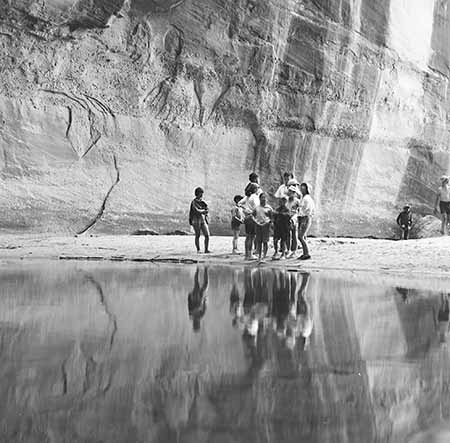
130, 353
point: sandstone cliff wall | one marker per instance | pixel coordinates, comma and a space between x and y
127, 106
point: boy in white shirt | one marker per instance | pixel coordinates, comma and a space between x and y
306, 212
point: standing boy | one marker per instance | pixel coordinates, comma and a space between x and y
198, 219
281, 228
249, 203
263, 217
293, 204
404, 220
306, 212
237, 218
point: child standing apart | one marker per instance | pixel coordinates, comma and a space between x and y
237, 218
404, 220
249, 203
198, 219
281, 228
263, 217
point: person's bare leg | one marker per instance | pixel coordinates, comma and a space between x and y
444, 223
205, 230
235, 241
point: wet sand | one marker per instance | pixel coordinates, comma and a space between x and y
421, 263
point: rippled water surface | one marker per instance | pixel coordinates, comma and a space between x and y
118, 353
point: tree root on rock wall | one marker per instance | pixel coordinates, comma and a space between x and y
103, 206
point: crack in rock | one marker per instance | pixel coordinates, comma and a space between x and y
103, 206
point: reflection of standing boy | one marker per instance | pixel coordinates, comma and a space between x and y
197, 299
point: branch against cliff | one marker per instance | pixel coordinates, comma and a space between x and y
103, 206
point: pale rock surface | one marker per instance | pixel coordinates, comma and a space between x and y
351, 95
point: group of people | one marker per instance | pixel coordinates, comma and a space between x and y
290, 221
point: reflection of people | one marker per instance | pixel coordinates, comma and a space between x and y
304, 312
404, 293
235, 303
280, 303
197, 299
443, 318
443, 202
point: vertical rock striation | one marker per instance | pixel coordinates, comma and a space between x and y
351, 95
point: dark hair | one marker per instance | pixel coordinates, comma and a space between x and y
306, 187
253, 176
198, 191
237, 198
288, 174
250, 189
263, 195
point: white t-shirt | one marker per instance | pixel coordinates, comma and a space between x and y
307, 206
282, 191
249, 204
444, 193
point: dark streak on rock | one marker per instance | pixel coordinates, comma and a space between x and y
226, 88
102, 106
198, 89
69, 124
102, 208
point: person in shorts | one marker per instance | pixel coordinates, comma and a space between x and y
306, 213
198, 219
281, 228
249, 203
442, 204
293, 204
237, 219
263, 218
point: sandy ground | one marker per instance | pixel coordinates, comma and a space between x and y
424, 263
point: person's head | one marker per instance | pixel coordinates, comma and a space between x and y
304, 189
237, 198
407, 208
253, 177
292, 191
287, 176
293, 182
263, 199
444, 180
283, 202
199, 192
252, 188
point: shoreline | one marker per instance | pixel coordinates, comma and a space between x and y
420, 261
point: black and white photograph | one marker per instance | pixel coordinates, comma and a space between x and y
224, 221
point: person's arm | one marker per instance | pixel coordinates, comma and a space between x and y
279, 193
398, 219
198, 210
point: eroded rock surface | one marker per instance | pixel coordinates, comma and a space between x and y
351, 95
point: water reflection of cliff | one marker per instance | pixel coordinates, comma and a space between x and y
102, 353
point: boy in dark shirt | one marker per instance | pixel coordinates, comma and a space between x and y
198, 219
281, 228
404, 220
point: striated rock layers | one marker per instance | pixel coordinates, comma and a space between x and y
113, 111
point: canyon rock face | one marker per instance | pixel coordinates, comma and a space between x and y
113, 111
